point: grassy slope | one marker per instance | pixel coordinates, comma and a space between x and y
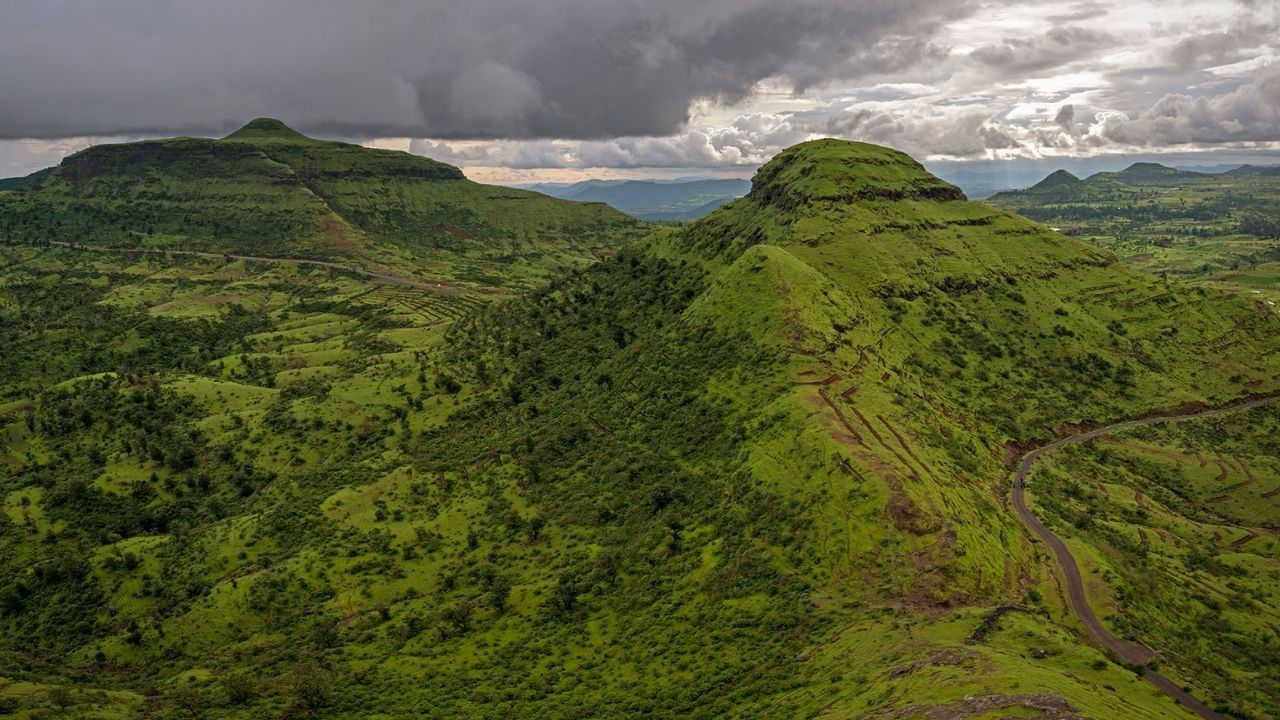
1184, 520
1213, 229
779, 433
267, 190
1038, 330
18, 183
268, 375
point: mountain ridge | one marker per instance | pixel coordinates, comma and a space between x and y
780, 431
268, 190
886, 315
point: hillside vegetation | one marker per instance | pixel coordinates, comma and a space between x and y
755, 466
1179, 527
267, 190
1217, 229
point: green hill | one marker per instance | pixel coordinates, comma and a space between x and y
268, 190
1056, 180
755, 466
1272, 170
1216, 229
26, 181
1150, 171
268, 130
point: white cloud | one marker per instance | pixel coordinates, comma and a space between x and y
991, 80
1250, 113
747, 141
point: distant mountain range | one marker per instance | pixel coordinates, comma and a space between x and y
985, 179
1215, 228
1128, 185
682, 199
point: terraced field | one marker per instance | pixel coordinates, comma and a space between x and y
1178, 525
429, 307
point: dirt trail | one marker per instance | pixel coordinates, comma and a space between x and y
1222, 471
1126, 651
1248, 475
1249, 535
437, 286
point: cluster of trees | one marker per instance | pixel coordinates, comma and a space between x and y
61, 330
630, 452
1267, 226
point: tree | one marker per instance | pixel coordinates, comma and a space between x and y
188, 702
499, 593
533, 529
454, 619
312, 686
240, 688
61, 697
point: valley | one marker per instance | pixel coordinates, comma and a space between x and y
401, 479
1216, 229
672, 200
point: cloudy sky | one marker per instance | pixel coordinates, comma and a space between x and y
523, 90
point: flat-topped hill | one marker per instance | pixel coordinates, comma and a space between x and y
841, 170
269, 190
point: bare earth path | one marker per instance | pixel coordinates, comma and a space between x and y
1126, 651
439, 286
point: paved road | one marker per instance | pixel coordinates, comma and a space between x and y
439, 286
1126, 651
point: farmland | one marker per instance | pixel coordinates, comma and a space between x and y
1215, 229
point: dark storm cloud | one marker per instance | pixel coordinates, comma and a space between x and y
474, 69
1066, 118
1221, 47
1056, 47
1249, 113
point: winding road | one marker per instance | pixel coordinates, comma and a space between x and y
1128, 652
438, 286
1131, 653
